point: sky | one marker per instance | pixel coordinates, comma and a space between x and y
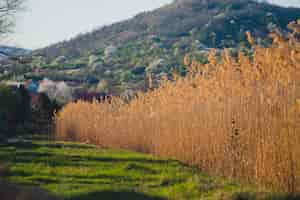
295, 3
45, 22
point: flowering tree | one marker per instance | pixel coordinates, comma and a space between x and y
58, 91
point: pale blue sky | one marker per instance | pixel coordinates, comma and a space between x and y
49, 21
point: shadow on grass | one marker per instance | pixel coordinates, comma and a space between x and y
28, 144
24, 154
27, 151
10, 191
103, 179
265, 196
53, 159
113, 195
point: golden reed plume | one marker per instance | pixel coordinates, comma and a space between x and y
235, 116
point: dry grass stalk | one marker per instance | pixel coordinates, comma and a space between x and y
236, 117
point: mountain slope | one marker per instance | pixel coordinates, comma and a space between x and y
6, 52
179, 19
119, 57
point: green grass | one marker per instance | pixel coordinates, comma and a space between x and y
84, 172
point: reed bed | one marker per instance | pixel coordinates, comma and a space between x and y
235, 116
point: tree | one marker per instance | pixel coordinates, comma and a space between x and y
24, 104
14, 109
58, 91
7, 108
8, 9
47, 107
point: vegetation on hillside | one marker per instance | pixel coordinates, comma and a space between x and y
118, 59
183, 20
235, 116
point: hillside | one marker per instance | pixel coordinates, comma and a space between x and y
7, 51
195, 19
119, 58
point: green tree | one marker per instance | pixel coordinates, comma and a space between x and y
14, 108
8, 108
24, 104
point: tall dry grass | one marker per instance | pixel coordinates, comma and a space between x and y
238, 117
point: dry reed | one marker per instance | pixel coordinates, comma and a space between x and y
237, 117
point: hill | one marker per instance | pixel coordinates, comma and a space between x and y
8, 51
12, 62
119, 58
198, 19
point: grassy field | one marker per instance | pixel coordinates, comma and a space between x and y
84, 172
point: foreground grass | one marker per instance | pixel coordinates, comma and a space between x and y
84, 172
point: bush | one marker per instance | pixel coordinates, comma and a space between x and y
127, 76
138, 70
